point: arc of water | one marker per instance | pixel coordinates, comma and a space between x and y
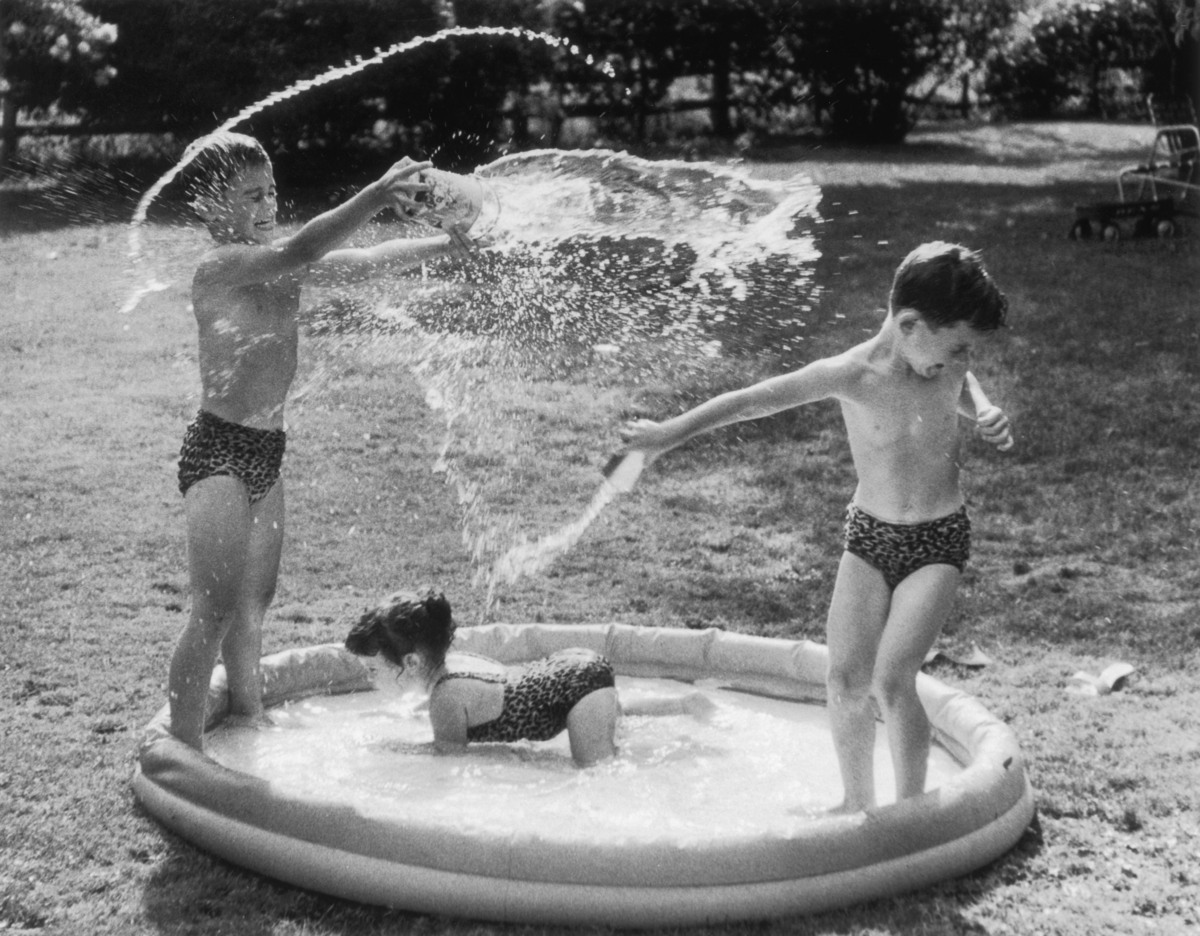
719, 251
529, 557
299, 87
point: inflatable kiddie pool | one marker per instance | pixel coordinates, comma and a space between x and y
437, 865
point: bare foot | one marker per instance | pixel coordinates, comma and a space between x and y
846, 809
256, 721
699, 706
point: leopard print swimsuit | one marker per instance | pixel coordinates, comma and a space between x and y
536, 702
899, 549
216, 446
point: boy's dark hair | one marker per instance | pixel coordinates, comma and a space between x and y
407, 622
210, 162
947, 284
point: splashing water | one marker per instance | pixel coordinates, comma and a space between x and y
603, 248
601, 272
620, 475
138, 253
604, 272
604, 268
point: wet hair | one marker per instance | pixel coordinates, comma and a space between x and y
210, 162
947, 284
407, 622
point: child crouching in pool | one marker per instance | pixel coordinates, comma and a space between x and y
473, 698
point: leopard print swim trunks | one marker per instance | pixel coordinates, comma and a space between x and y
536, 702
899, 549
216, 446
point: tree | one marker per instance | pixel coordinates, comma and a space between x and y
862, 60
725, 40
1187, 20
47, 47
637, 43
1068, 48
186, 66
1175, 67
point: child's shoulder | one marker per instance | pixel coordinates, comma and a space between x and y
851, 364
467, 664
232, 266
221, 249
853, 374
218, 257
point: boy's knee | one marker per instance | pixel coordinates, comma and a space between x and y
848, 685
264, 598
215, 617
894, 687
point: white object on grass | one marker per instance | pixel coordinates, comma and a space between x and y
1111, 679
984, 408
974, 658
623, 470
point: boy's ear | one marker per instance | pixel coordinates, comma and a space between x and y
205, 207
907, 320
412, 662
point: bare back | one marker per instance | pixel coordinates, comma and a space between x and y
471, 693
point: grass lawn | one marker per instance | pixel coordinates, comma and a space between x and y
1084, 550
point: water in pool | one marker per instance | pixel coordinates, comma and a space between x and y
756, 763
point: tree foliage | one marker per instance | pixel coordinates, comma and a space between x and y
48, 48
647, 45
854, 68
857, 63
185, 66
864, 61
51, 47
1066, 50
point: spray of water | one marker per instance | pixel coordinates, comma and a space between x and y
137, 247
603, 267
602, 272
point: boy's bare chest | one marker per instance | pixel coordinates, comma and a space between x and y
268, 300
906, 415
250, 313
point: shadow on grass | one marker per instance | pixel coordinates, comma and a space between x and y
51, 206
1024, 146
193, 892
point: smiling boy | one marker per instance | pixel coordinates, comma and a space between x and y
246, 299
907, 534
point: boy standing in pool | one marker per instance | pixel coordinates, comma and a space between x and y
246, 298
907, 534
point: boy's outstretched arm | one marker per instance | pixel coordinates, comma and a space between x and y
354, 264
255, 264
816, 381
324, 232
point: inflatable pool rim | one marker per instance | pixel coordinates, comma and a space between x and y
832, 861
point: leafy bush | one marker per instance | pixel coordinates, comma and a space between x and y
862, 61
1063, 59
185, 66
647, 45
857, 69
